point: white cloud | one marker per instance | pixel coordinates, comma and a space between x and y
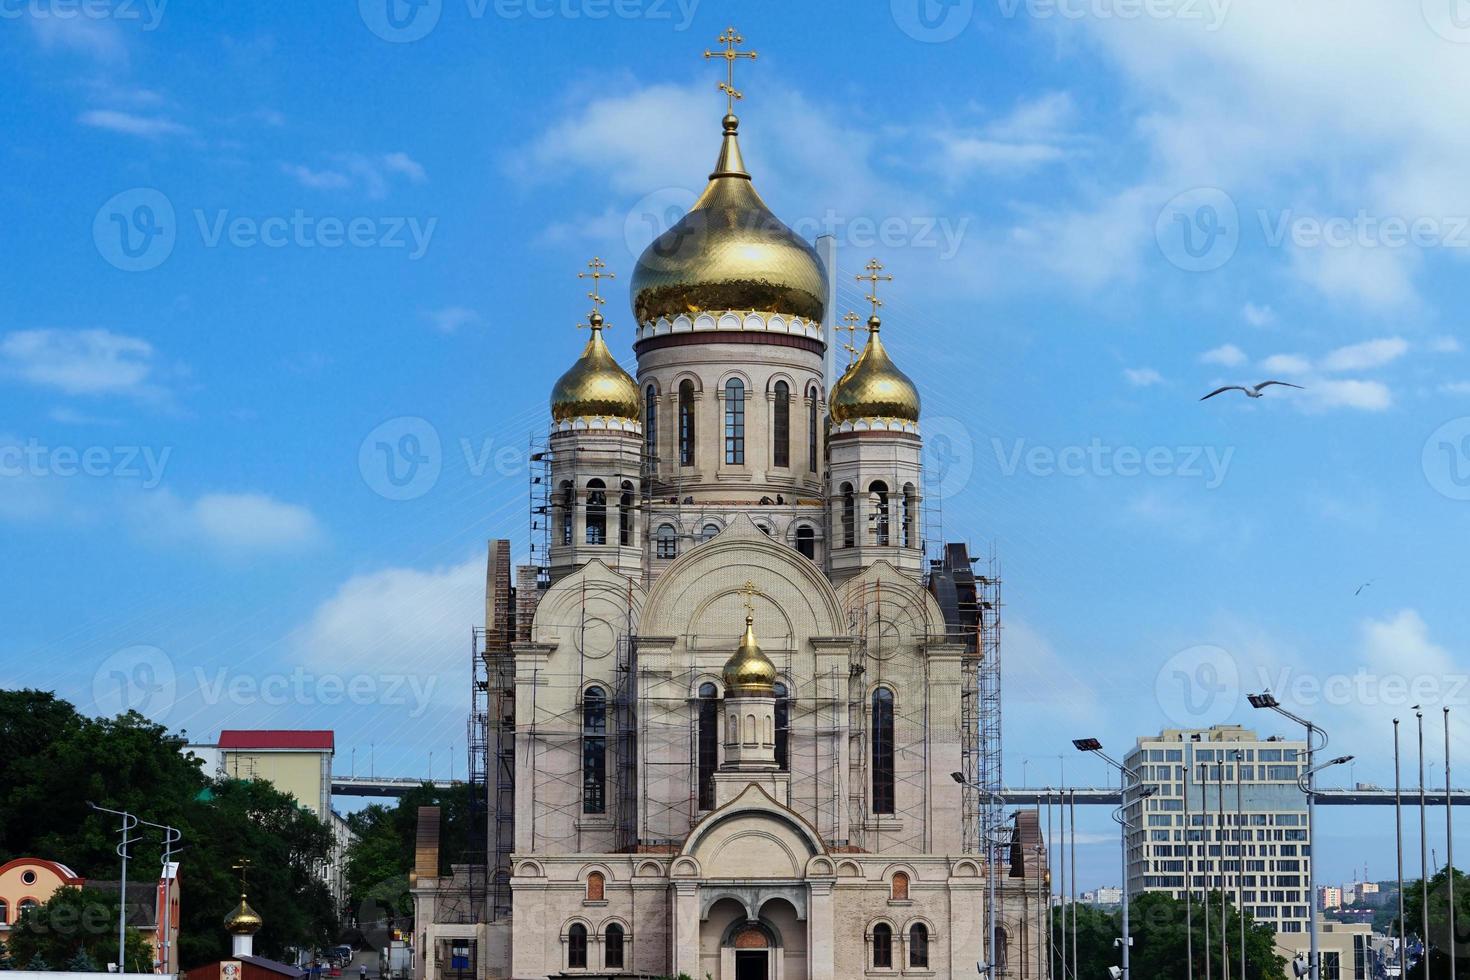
1226, 355
1367, 355
451, 318
1455, 388
1328, 393
80, 362
98, 38
320, 180
1444, 345
1033, 133
1258, 316
132, 124
1142, 377
1286, 364
372, 173
232, 524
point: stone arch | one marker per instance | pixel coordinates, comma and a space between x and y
820, 867
648, 869
966, 868
754, 836
685, 867
587, 610
529, 869
849, 869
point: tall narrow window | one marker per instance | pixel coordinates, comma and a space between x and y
910, 514
594, 751
612, 948
849, 516
709, 743
811, 429
806, 541
625, 515
919, 946
899, 892
781, 425
596, 887
734, 421
666, 542
686, 423
783, 727
883, 946
577, 947
650, 423
568, 512
879, 490
596, 512
883, 753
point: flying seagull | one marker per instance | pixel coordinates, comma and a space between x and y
1251, 391
1362, 587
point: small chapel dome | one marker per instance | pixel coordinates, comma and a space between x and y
730, 252
596, 386
750, 673
243, 920
873, 387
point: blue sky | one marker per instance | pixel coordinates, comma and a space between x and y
244, 246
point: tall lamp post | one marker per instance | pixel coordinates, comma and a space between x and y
1126, 777
1307, 783
991, 965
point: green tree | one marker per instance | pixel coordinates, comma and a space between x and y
1441, 944
76, 924
1157, 924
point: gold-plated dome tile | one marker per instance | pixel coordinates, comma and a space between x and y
243, 920
749, 672
873, 387
596, 385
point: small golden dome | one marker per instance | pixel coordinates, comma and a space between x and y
873, 387
750, 673
729, 253
596, 385
244, 920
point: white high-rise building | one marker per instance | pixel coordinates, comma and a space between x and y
1242, 829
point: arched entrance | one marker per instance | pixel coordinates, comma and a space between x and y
751, 950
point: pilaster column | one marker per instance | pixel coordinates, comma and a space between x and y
685, 933
821, 951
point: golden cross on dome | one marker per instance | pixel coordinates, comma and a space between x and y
242, 867
729, 39
596, 265
874, 276
850, 325
749, 591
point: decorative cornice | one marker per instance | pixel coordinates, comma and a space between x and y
597, 423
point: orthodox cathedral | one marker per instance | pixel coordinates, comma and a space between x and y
730, 712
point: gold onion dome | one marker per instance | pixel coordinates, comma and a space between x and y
749, 672
729, 253
244, 920
873, 387
595, 386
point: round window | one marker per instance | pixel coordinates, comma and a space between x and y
29, 877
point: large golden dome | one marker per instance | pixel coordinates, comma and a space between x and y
595, 386
243, 920
729, 253
750, 672
873, 387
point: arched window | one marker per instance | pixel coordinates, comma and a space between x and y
709, 743
4, 912
781, 425
625, 515
596, 887
883, 946
650, 423
24, 906
667, 542
806, 541
783, 727
910, 514
919, 946
686, 423
811, 429
849, 516
594, 751
734, 421
764, 528
577, 947
612, 948
596, 512
899, 892
568, 507
883, 755
879, 490
710, 530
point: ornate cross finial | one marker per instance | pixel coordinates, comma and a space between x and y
729, 39
850, 325
596, 265
874, 276
243, 866
750, 592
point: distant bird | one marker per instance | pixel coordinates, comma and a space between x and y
1363, 586
1251, 391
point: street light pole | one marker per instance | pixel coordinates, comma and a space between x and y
1188, 862
991, 963
1307, 783
1449, 833
1423, 847
1398, 826
129, 823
